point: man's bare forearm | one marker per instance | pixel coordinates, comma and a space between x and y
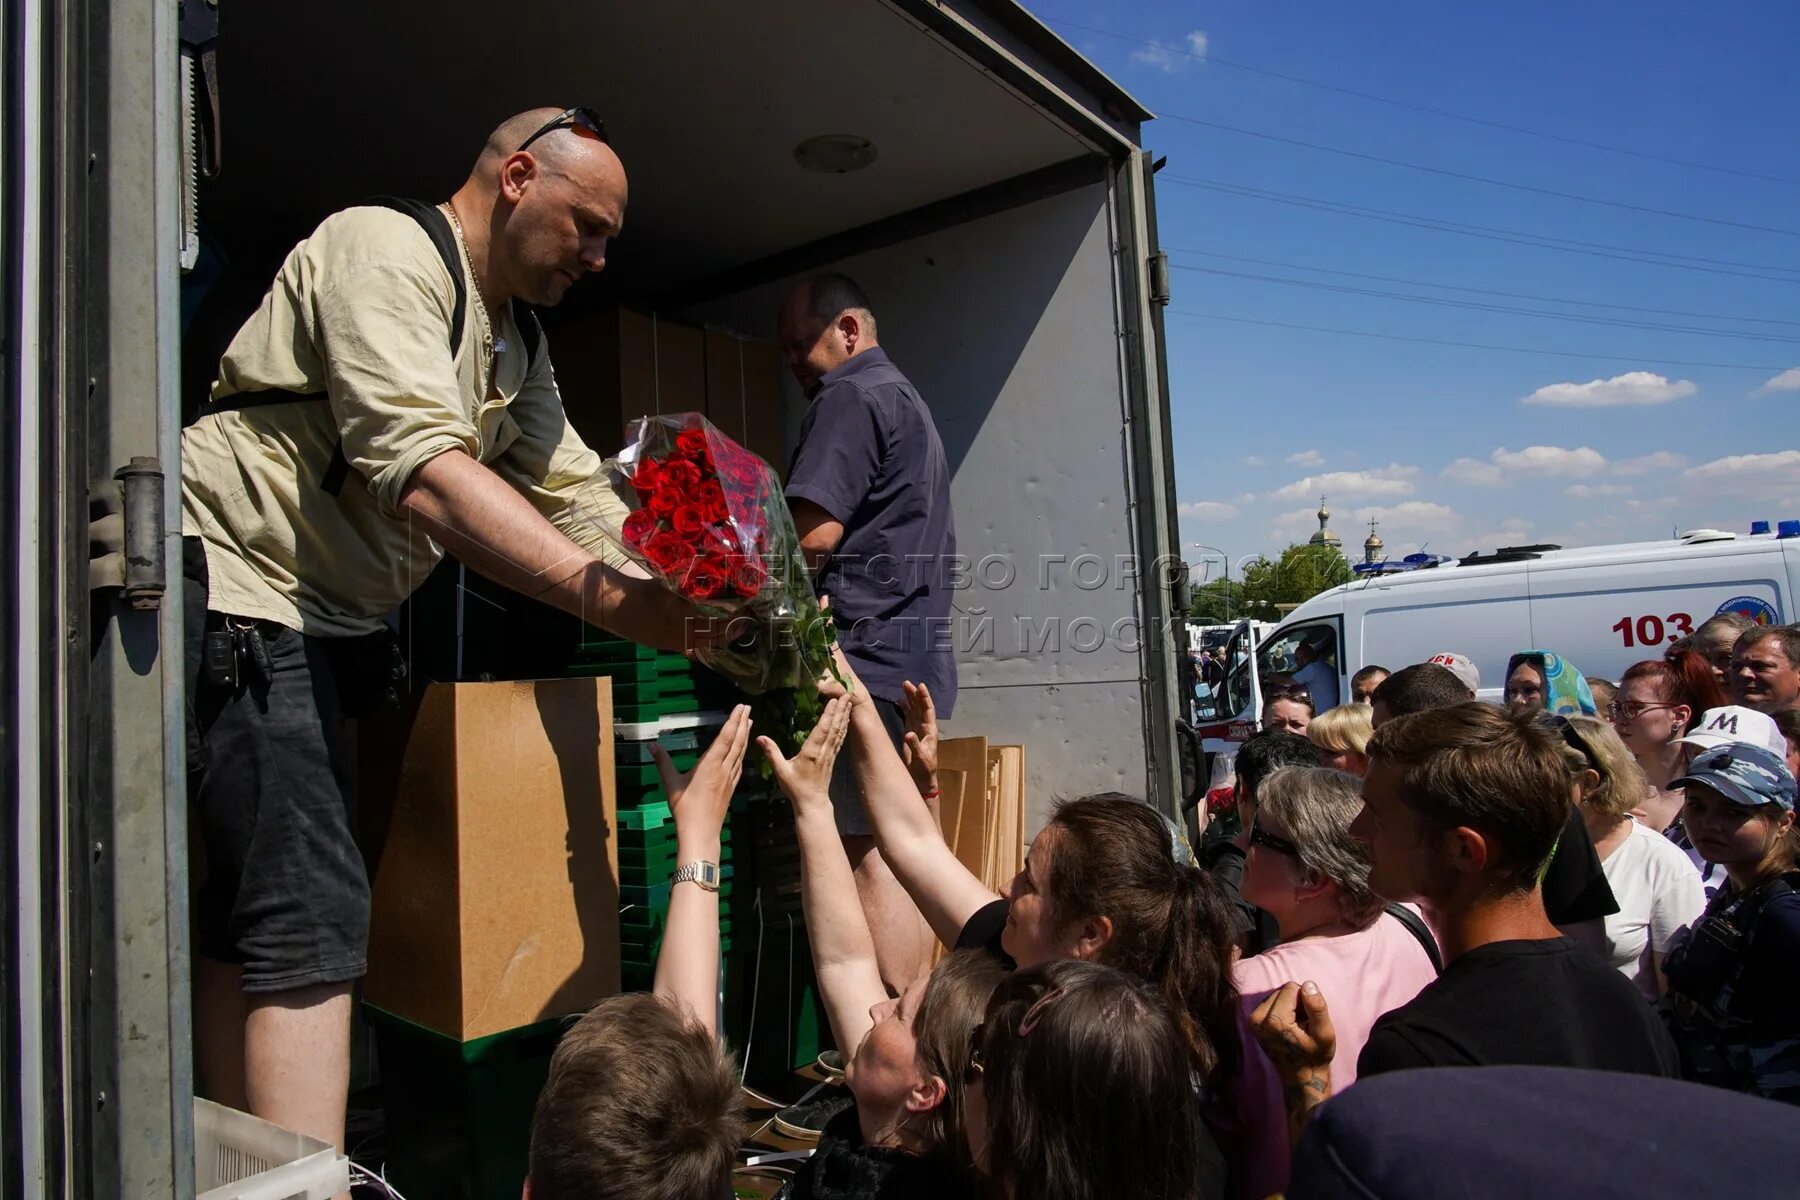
493, 530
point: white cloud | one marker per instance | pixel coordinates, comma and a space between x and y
1474, 472
1171, 59
1551, 460
1787, 381
1596, 491
1254, 461
1662, 460
1631, 388
1307, 458
1409, 518
1391, 480
1755, 474
1207, 510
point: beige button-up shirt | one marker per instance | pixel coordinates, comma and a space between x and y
361, 311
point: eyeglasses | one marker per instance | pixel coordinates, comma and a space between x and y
578, 119
1631, 710
1279, 845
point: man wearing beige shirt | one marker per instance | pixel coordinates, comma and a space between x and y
375, 412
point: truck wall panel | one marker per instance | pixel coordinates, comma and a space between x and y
1006, 325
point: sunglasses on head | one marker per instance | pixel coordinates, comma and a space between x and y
1279, 845
580, 119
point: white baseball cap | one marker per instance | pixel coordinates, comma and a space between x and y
1461, 666
1735, 723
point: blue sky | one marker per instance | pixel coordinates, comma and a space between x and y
1455, 448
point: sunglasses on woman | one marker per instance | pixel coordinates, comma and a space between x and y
1280, 845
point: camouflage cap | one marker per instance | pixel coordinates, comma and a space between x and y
1744, 774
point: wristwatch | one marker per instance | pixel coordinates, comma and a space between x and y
700, 871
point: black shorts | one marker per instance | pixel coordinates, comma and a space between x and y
846, 796
269, 781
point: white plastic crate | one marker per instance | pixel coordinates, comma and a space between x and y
241, 1157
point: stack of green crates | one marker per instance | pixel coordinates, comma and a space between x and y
649, 685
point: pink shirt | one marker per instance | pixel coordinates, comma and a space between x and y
1363, 975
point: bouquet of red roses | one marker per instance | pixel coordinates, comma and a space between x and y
713, 526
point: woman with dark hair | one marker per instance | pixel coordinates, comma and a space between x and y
1076, 1090
1287, 709
1659, 702
904, 1057
1108, 879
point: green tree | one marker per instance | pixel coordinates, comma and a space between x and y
1218, 602
1302, 572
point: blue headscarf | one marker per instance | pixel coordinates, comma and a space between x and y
1566, 691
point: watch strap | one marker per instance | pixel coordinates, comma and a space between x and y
701, 871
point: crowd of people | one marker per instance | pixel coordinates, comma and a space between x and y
1417, 879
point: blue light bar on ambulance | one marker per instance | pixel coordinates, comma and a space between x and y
1788, 529
1412, 562
1757, 527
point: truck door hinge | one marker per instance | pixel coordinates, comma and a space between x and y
125, 534
1159, 278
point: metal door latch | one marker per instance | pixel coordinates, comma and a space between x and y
125, 533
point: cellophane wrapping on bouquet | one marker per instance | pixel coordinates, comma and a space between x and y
711, 525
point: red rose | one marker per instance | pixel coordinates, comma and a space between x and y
668, 553
707, 579
748, 577
691, 444
681, 477
717, 511
665, 501
648, 476
690, 522
638, 528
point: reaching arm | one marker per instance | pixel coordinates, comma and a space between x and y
687, 969
843, 949
911, 843
491, 528
1294, 1028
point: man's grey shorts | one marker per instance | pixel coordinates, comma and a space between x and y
846, 797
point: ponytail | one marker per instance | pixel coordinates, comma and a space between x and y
1193, 973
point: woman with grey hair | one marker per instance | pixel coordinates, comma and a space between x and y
1304, 868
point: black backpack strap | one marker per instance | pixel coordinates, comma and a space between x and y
1416, 926
436, 225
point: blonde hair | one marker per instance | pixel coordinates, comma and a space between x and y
1344, 729
1622, 785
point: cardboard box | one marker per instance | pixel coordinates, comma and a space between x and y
496, 896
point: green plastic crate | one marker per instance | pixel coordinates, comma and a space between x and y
459, 1113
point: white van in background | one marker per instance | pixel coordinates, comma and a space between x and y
1601, 607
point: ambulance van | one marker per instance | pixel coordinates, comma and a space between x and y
1600, 607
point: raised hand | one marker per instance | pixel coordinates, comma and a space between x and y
921, 736
1293, 1026
699, 800
806, 778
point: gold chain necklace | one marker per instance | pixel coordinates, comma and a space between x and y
487, 321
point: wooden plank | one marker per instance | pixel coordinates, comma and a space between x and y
950, 806
967, 758
1012, 792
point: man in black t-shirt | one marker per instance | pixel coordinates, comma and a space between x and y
1462, 808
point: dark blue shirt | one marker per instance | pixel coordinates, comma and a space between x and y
869, 455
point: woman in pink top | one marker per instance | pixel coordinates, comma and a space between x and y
1306, 869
